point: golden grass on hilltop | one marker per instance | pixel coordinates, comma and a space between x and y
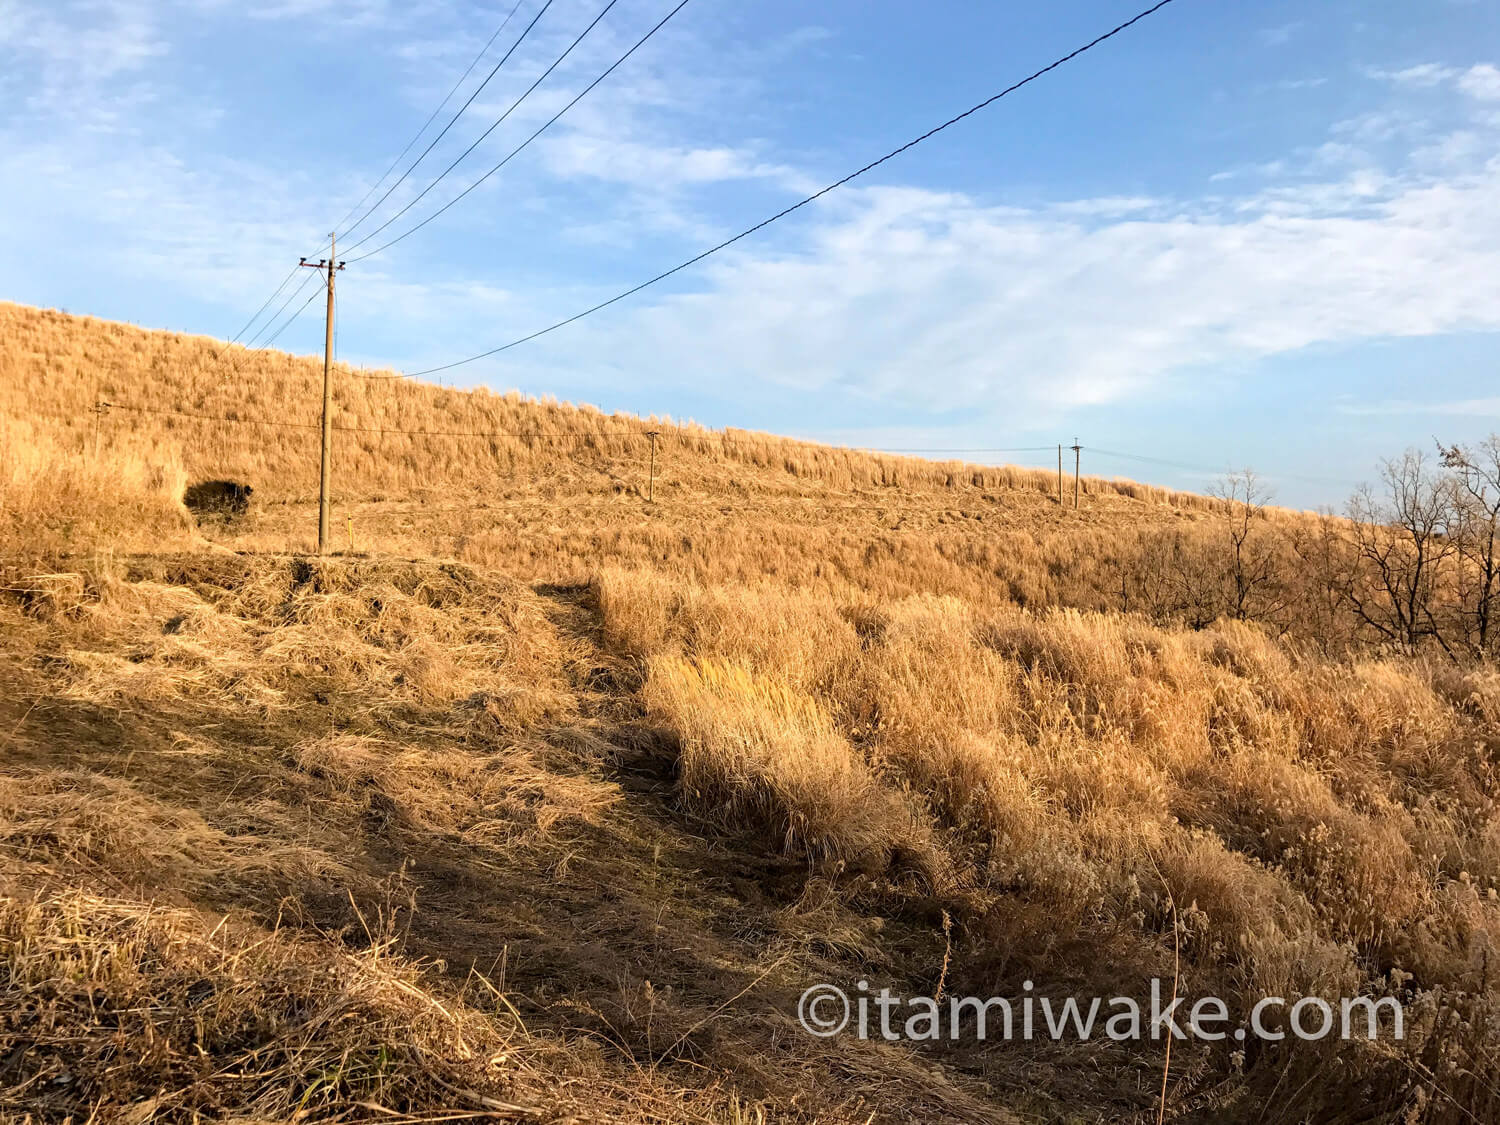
551, 506
54, 367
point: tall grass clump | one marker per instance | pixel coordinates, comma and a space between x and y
1299, 825
57, 497
762, 750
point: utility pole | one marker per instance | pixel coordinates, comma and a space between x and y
1059, 475
1076, 450
651, 486
100, 408
326, 463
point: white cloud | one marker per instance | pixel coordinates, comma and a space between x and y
918, 297
1293, 84
939, 301
934, 300
659, 166
1482, 82
1422, 75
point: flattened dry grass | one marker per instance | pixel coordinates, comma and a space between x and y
189, 737
389, 640
118, 1010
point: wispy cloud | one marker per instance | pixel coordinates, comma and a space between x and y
1465, 408
1040, 309
1422, 74
1481, 81
84, 61
1280, 35
662, 167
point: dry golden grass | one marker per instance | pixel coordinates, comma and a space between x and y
1328, 827
54, 367
56, 498
754, 746
564, 808
404, 771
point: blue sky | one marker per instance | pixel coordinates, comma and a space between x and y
1259, 234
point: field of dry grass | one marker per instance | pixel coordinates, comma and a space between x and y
545, 803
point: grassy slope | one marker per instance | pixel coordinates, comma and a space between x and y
554, 508
567, 822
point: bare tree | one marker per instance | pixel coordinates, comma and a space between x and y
1402, 545
1254, 589
1324, 564
1476, 535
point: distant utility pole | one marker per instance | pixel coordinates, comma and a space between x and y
1059, 475
100, 409
1076, 450
325, 467
651, 485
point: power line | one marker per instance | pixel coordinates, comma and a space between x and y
1185, 467
380, 429
1153, 460
285, 325
515, 151
990, 449
400, 156
254, 341
803, 202
480, 139
792, 505
265, 306
433, 117
451, 122
585, 434
581, 435
223, 349
238, 362
210, 417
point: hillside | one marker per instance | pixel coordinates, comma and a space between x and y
546, 802
423, 469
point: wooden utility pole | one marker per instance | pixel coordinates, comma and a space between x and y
326, 463
101, 408
1059, 475
651, 485
1076, 450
